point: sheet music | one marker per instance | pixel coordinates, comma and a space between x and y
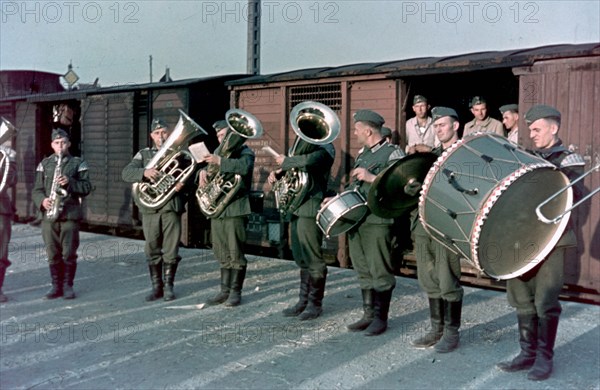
199, 151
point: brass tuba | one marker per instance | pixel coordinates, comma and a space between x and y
215, 195
314, 124
156, 194
7, 155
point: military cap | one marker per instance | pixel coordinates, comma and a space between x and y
221, 124
477, 100
59, 133
369, 116
419, 99
158, 123
386, 132
440, 112
541, 111
509, 107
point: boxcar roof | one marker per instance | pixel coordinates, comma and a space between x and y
432, 65
83, 92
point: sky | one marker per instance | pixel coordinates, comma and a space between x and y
113, 40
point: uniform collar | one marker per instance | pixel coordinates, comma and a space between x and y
556, 148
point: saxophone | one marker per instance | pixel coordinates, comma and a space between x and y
57, 193
315, 124
220, 189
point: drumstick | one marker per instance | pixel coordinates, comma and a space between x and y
271, 151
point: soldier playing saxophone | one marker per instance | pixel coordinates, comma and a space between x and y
61, 230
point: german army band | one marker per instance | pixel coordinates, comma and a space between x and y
166, 175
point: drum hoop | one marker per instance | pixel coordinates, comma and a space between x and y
487, 207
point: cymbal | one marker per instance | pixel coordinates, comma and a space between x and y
396, 189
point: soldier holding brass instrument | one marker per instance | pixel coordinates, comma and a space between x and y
161, 225
61, 181
309, 162
230, 168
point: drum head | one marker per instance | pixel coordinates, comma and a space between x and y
387, 198
508, 239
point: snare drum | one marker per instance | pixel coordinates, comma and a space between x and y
341, 213
479, 200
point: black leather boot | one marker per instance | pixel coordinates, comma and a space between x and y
451, 337
436, 313
299, 307
157, 282
237, 282
56, 276
224, 294
367, 318
381, 308
170, 271
70, 270
528, 329
316, 291
542, 368
3, 298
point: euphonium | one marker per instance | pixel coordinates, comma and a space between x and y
156, 194
314, 124
220, 189
7, 155
57, 193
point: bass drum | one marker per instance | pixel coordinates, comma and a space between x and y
479, 200
341, 213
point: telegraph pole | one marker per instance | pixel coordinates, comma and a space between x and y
253, 50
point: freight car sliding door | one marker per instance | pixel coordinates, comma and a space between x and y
107, 143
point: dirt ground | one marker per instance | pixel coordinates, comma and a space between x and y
109, 338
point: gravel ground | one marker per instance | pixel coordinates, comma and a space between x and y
109, 338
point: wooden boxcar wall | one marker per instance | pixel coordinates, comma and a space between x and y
573, 87
27, 120
107, 144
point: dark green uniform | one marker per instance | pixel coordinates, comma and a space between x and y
7, 211
438, 268
228, 230
162, 229
305, 236
61, 237
370, 241
535, 294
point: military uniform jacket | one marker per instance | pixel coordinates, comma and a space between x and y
76, 169
134, 173
6, 205
375, 159
489, 124
318, 166
240, 162
571, 164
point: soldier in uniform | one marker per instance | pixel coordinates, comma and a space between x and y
370, 240
534, 295
482, 122
162, 227
306, 237
228, 229
438, 269
61, 236
7, 211
510, 119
